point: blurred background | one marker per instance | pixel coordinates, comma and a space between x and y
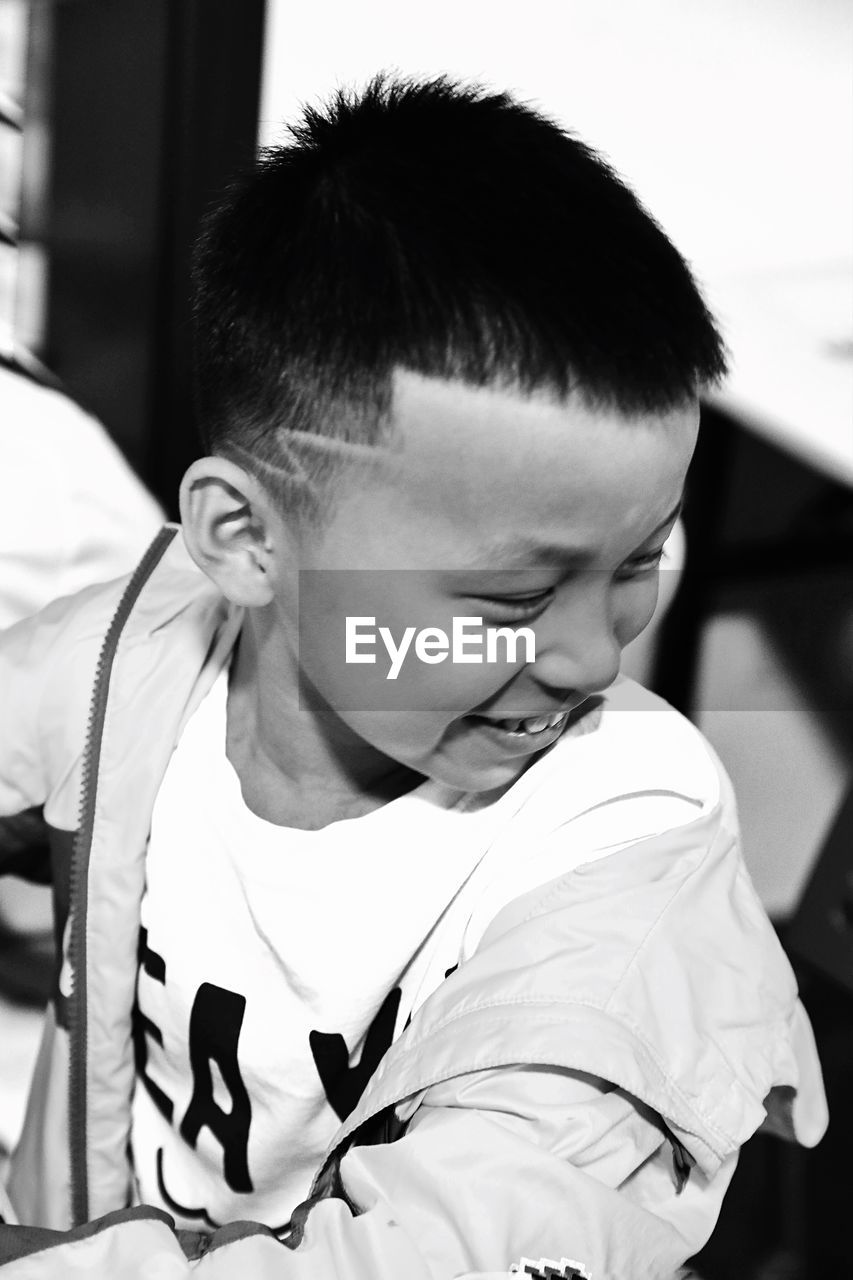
120, 120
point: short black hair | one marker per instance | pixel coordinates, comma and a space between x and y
445, 229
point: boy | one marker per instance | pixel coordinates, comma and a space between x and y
449, 965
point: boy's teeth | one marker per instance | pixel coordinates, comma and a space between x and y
535, 724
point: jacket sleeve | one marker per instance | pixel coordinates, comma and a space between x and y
139, 1244
523, 1163
497, 1171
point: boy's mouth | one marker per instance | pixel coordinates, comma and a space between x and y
530, 728
534, 724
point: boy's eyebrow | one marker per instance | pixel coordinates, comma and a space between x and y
549, 553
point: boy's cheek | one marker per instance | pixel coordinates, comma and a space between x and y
362, 673
637, 612
408, 718
430, 694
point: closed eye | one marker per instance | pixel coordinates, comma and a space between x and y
512, 608
638, 565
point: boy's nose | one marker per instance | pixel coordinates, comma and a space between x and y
577, 648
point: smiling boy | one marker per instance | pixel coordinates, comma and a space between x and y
448, 975
527, 508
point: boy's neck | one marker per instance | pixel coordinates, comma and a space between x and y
292, 770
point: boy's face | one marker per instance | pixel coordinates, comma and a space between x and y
522, 511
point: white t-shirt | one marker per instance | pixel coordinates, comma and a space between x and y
277, 965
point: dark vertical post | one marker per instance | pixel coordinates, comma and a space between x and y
153, 104
213, 82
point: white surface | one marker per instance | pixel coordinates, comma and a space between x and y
731, 119
791, 337
73, 512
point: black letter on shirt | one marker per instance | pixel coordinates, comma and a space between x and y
155, 966
215, 1022
342, 1083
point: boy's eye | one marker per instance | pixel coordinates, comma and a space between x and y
639, 565
516, 607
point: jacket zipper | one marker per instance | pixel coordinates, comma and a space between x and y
79, 881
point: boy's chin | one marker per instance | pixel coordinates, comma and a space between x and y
454, 770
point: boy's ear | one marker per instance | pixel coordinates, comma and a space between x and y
227, 528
